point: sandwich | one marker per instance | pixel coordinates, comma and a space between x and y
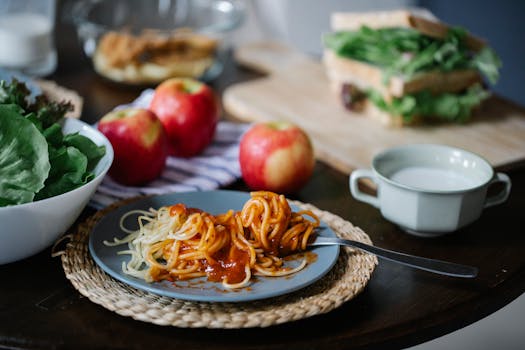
407, 67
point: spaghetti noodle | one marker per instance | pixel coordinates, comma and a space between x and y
180, 243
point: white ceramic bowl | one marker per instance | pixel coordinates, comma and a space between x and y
29, 228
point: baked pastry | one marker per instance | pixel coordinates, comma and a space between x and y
151, 57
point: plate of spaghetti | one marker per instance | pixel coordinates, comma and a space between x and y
213, 246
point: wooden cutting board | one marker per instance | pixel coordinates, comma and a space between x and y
297, 89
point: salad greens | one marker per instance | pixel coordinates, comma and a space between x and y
37, 160
446, 106
405, 51
24, 160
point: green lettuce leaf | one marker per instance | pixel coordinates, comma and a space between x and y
68, 171
446, 106
54, 135
15, 93
488, 63
90, 149
24, 160
45, 111
405, 51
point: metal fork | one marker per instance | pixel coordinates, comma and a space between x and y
431, 265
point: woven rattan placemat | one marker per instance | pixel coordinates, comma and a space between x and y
346, 279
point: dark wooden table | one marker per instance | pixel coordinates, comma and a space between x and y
400, 306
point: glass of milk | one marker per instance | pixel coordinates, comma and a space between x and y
26, 36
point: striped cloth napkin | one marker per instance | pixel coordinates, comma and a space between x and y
216, 166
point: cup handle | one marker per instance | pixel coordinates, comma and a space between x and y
354, 188
503, 194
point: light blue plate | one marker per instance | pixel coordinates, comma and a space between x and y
200, 289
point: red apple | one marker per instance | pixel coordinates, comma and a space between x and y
139, 142
189, 111
276, 156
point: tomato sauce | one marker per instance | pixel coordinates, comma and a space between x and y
179, 208
229, 265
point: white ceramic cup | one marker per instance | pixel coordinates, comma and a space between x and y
430, 190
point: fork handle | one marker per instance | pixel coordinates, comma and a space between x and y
431, 265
